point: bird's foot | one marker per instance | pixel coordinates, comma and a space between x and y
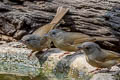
64, 54
30, 55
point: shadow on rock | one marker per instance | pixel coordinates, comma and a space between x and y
43, 56
63, 66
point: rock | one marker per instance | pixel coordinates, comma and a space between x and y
19, 34
103, 76
73, 64
15, 61
48, 64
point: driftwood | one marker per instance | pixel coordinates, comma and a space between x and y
92, 17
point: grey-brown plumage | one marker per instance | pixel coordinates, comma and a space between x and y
98, 57
37, 41
68, 41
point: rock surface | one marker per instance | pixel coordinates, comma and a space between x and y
103, 76
72, 66
75, 65
15, 61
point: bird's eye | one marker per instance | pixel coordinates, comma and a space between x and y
87, 48
28, 40
54, 33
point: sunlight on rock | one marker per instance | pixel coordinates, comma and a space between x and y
15, 61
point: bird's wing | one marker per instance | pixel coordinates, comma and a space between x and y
77, 38
107, 56
60, 13
111, 55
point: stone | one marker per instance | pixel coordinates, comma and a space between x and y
15, 60
74, 65
103, 76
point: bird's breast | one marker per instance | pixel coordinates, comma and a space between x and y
92, 61
64, 46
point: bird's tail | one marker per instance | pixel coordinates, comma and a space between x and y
105, 39
46, 28
59, 15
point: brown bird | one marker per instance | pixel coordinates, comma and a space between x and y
37, 41
98, 57
68, 41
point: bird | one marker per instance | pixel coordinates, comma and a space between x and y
98, 57
67, 41
37, 41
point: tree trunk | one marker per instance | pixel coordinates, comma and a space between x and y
92, 17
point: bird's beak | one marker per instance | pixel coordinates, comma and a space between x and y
21, 41
80, 47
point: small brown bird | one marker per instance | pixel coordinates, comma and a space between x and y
98, 57
68, 41
37, 41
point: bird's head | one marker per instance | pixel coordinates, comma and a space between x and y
89, 47
29, 39
55, 33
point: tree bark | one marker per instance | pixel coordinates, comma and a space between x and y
92, 17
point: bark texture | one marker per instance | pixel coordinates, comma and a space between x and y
92, 17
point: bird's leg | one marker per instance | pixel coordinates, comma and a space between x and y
64, 54
95, 70
30, 54
46, 49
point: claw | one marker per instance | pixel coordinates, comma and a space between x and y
29, 56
